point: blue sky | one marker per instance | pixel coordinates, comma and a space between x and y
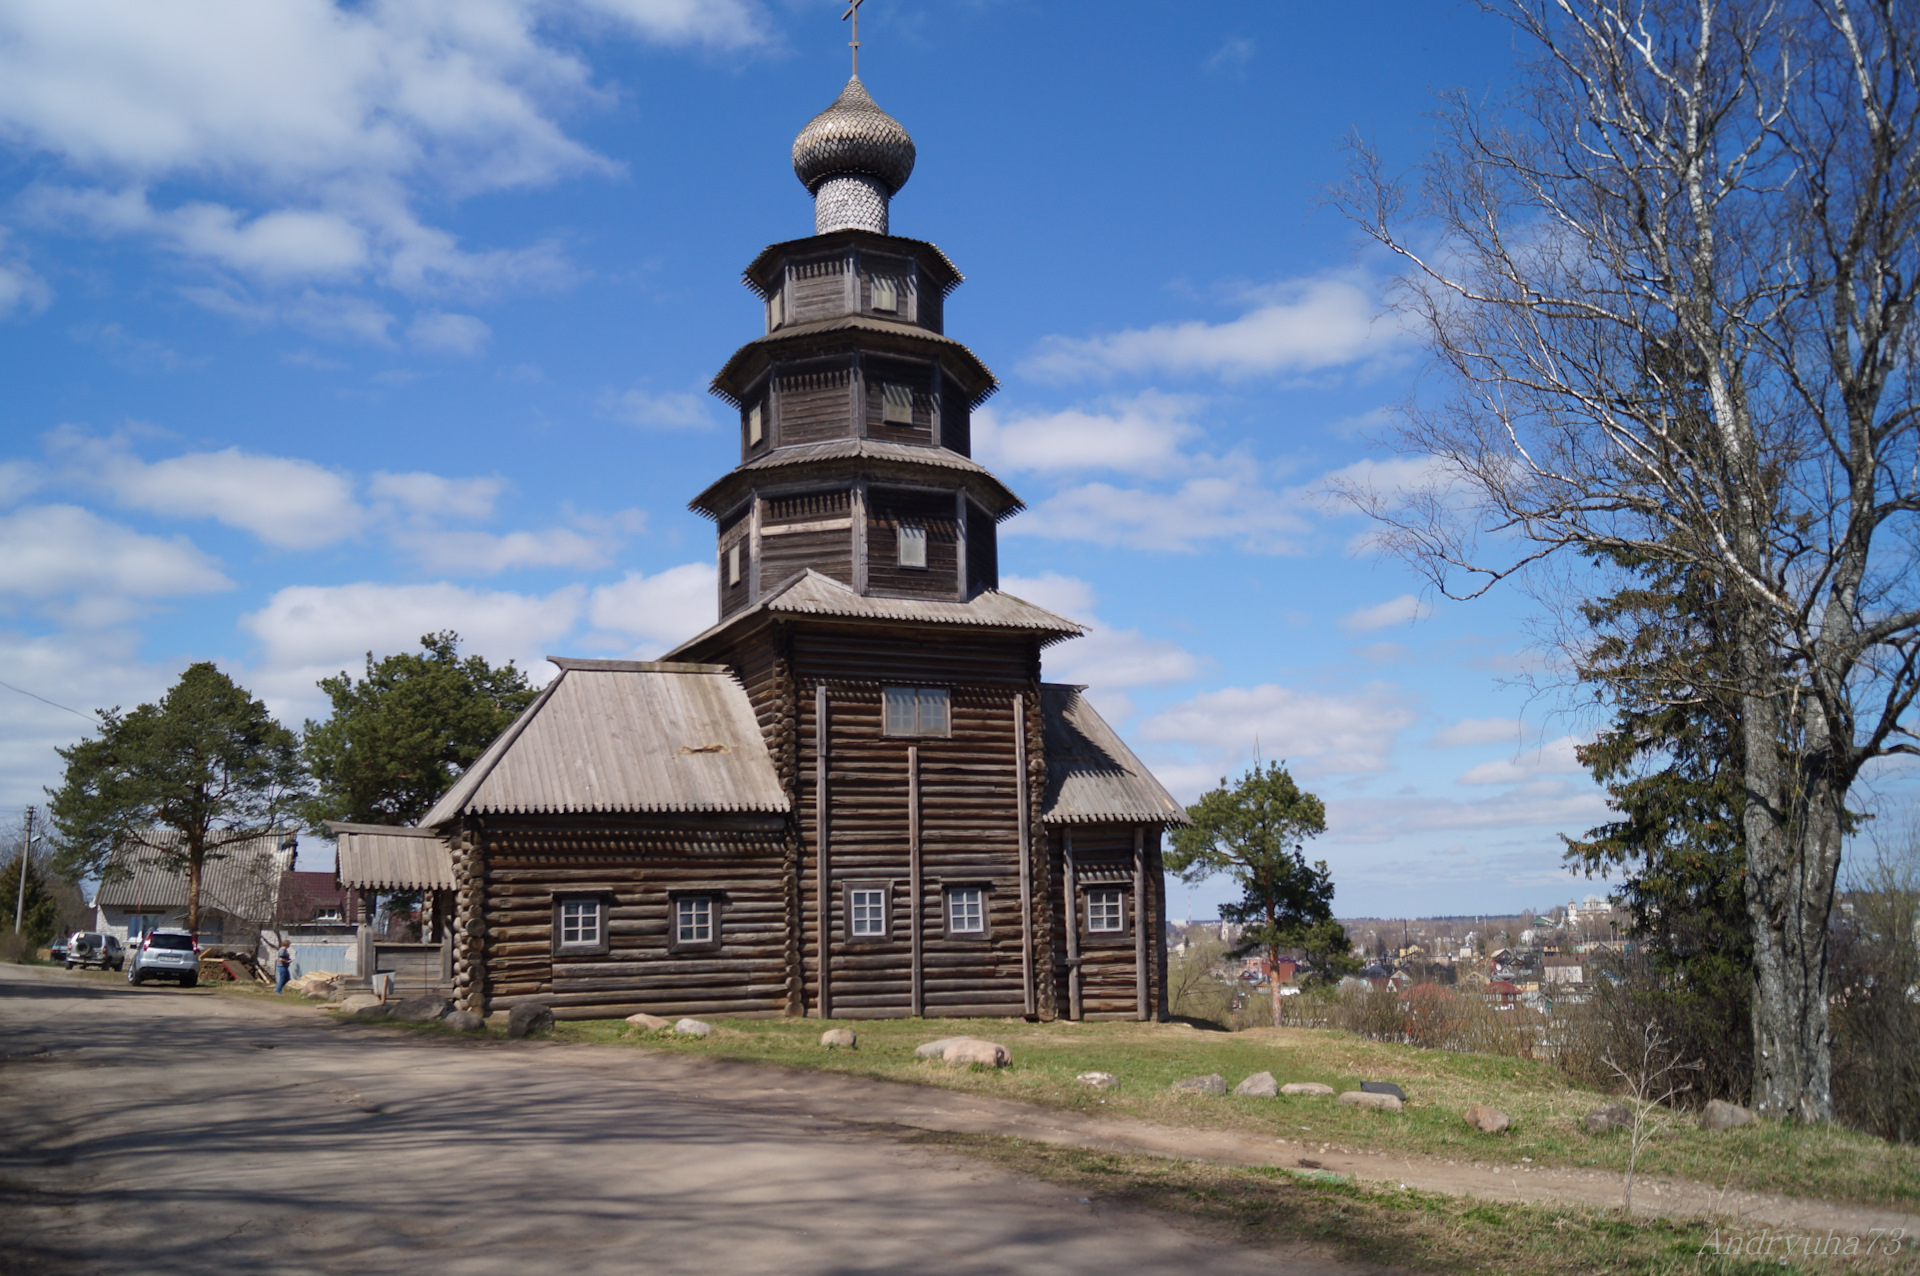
324, 326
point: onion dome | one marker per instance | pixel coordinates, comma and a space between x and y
853, 138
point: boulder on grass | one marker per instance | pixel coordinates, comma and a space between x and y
425, 1009
1305, 1087
370, 1014
1098, 1080
1383, 1087
529, 1017
1721, 1115
464, 1021
1612, 1117
358, 1001
970, 1051
692, 1028
1212, 1083
840, 1039
649, 1023
1487, 1120
936, 1049
1369, 1099
1260, 1085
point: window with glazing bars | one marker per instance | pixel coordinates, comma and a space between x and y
1106, 911
896, 403
693, 920
917, 711
868, 909
967, 911
579, 923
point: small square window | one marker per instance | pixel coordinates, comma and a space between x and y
967, 910
754, 432
886, 294
917, 711
896, 404
867, 913
580, 923
913, 546
1106, 912
733, 565
693, 920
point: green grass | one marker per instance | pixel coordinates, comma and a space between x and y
1377, 1224
1547, 1108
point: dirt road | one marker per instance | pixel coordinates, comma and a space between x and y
157, 1130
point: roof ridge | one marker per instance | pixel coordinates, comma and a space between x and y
571, 664
456, 797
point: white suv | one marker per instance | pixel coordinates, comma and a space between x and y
174, 953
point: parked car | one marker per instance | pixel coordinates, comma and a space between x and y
165, 954
57, 953
91, 948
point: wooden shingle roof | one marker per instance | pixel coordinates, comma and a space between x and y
1092, 776
240, 879
624, 736
385, 857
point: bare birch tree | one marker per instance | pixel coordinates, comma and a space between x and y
1670, 284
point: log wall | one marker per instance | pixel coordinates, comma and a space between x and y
1109, 965
636, 869
887, 510
814, 405
816, 289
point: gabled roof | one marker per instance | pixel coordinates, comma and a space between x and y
386, 857
625, 736
812, 594
304, 894
865, 456
240, 879
891, 335
1092, 776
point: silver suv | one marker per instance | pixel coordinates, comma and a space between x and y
91, 948
166, 953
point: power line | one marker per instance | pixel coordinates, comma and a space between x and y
43, 700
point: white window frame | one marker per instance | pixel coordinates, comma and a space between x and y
896, 403
582, 924
916, 711
868, 913
1106, 904
911, 542
967, 911
886, 294
695, 913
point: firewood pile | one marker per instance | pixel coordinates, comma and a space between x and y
218, 962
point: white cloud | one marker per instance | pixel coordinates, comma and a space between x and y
1296, 326
1555, 757
20, 288
1395, 611
18, 480
469, 553
1329, 733
1233, 507
1232, 57
680, 410
1551, 806
1139, 435
437, 496
83, 670
659, 611
1105, 659
308, 632
95, 571
449, 334
1469, 731
324, 123
288, 503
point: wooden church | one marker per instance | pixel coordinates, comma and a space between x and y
854, 796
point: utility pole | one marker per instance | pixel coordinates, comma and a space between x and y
20, 904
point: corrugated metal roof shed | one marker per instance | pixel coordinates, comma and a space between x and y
1092, 776
812, 594
240, 879
611, 735
383, 857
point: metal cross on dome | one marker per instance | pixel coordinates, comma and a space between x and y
853, 11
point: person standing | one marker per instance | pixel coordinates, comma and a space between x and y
282, 968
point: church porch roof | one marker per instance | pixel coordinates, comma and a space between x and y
1092, 776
